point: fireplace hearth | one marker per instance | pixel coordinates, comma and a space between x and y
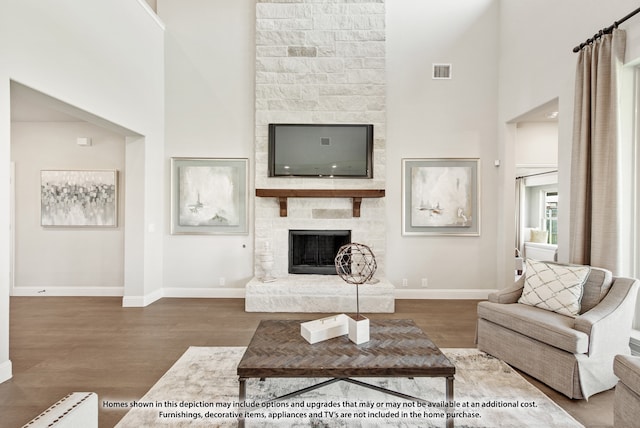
314, 251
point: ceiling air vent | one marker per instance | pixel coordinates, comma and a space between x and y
442, 71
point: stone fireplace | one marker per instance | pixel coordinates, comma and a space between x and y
319, 63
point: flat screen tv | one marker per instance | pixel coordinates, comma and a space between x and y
314, 150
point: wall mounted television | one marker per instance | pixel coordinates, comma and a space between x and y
321, 150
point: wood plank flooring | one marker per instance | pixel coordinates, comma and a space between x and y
63, 344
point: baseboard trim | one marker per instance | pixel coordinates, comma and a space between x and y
207, 293
227, 293
468, 294
182, 293
239, 293
68, 291
6, 371
142, 301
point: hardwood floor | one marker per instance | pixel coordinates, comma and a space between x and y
63, 344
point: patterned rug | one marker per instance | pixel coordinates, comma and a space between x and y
201, 390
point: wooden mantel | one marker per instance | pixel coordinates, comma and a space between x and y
355, 194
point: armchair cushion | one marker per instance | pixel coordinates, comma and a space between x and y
546, 326
595, 288
554, 287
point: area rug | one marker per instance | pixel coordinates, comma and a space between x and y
201, 390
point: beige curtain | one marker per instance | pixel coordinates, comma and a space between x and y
594, 232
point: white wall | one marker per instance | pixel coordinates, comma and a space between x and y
213, 42
536, 144
77, 261
210, 113
105, 58
442, 118
536, 65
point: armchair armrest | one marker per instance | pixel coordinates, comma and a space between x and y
627, 368
509, 294
613, 314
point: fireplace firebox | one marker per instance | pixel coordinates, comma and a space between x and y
314, 251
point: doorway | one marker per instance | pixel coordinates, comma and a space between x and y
82, 261
536, 182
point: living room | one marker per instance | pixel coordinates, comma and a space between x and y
186, 83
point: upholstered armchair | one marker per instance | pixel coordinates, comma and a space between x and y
573, 354
626, 405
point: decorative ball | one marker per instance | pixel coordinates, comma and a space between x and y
355, 263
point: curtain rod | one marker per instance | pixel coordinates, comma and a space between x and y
604, 31
537, 173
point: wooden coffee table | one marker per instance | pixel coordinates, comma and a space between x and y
397, 348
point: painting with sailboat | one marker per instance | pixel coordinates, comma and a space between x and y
209, 196
441, 196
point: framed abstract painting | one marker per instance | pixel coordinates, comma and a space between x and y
76, 198
209, 196
441, 197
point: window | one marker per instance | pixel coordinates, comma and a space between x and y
550, 216
629, 186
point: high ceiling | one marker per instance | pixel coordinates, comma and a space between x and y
28, 105
547, 112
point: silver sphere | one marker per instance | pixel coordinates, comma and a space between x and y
355, 263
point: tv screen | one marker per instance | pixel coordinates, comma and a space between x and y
310, 150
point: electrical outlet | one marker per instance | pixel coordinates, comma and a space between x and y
425, 282
405, 282
223, 281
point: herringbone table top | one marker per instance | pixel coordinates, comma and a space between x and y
396, 348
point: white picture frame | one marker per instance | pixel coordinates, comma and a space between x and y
209, 196
79, 198
441, 197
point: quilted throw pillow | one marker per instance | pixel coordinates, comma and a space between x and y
554, 287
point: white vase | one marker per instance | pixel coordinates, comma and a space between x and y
266, 263
359, 330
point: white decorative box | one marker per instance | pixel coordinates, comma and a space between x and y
359, 330
325, 328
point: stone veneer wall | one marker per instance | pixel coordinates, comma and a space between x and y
319, 61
